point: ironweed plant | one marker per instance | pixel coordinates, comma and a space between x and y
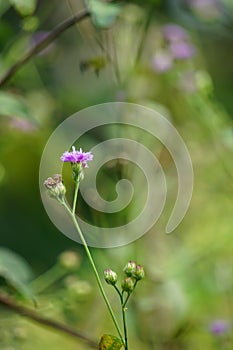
133, 272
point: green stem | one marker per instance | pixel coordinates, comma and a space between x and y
125, 326
129, 293
123, 309
94, 268
75, 197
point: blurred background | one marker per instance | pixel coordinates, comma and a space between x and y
175, 57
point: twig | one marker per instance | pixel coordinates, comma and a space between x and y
52, 35
32, 315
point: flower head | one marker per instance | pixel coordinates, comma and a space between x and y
128, 284
130, 268
79, 157
162, 61
110, 277
55, 187
182, 50
174, 33
139, 273
219, 327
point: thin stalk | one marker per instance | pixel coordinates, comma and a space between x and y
94, 269
75, 197
118, 292
123, 309
129, 293
125, 327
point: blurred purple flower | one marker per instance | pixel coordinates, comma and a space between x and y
182, 50
36, 38
219, 327
22, 124
77, 157
174, 32
162, 61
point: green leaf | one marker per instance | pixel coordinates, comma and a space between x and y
16, 271
110, 342
12, 105
24, 7
103, 14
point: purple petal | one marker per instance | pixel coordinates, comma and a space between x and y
219, 327
173, 33
182, 50
77, 157
162, 61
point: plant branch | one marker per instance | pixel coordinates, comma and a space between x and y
53, 34
34, 316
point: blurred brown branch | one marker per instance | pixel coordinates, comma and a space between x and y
9, 303
55, 33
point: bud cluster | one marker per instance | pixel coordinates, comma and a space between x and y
133, 270
55, 187
133, 274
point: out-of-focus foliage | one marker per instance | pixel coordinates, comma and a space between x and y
103, 14
188, 284
15, 271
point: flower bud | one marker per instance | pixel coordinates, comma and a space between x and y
127, 284
110, 277
77, 172
139, 274
55, 187
130, 268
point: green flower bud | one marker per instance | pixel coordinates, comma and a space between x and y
110, 277
127, 284
139, 273
130, 268
77, 172
55, 187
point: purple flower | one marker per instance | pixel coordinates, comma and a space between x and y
77, 157
182, 50
162, 61
173, 33
22, 124
219, 327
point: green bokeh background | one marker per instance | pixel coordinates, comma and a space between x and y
189, 273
